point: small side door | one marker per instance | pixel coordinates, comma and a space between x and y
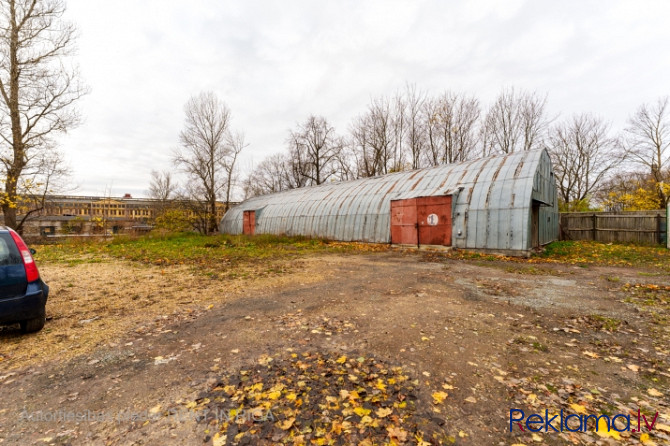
249, 222
535, 225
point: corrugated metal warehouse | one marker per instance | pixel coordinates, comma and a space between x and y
505, 204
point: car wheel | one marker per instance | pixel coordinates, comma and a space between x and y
33, 325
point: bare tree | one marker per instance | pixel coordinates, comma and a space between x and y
415, 135
516, 121
314, 149
161, 186
190, 199
534, 123
648, 138
265, 178
37, 91
366, 159
205, 152
236, 144
274, 174
372, 136
346, 161
399, 130
583, 155
451, 123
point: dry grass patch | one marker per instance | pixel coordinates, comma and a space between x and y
93, 304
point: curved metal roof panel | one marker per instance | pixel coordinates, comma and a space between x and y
491, 206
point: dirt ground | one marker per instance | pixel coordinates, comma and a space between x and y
463, 342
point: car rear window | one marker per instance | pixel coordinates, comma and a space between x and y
9, 253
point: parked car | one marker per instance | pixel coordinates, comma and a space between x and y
23, 294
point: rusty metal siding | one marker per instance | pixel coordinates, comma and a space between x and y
492, 199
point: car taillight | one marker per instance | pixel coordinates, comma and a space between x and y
31, 269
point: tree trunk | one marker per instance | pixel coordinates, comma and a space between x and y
10, 215
213, 226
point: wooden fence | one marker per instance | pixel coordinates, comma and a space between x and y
645, 227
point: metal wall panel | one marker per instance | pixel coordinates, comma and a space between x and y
491, 204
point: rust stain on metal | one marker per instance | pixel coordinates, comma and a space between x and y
415, 184
518, 169
446, 178
474, 182
493, 180
497, 172
465, 172
390, 189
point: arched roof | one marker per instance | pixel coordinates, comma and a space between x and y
501, 187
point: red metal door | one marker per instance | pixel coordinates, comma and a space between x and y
249, 222
404, 222
434, 218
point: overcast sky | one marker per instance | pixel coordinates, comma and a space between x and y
276, 62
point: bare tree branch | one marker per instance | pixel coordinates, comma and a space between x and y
583, 154
37, 93
648, 139
450, 123
516, 121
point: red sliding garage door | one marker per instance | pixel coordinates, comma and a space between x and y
421, 221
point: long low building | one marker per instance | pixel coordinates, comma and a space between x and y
74, 215
506, 204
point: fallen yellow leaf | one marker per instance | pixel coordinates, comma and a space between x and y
654, 392
439, 397
383, 412
286, 424
366, 420
361, 411
603, 432
397, 433
219, 440
578, 408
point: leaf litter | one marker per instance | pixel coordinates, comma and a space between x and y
322, 399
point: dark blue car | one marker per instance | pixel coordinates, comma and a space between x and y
23, 294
